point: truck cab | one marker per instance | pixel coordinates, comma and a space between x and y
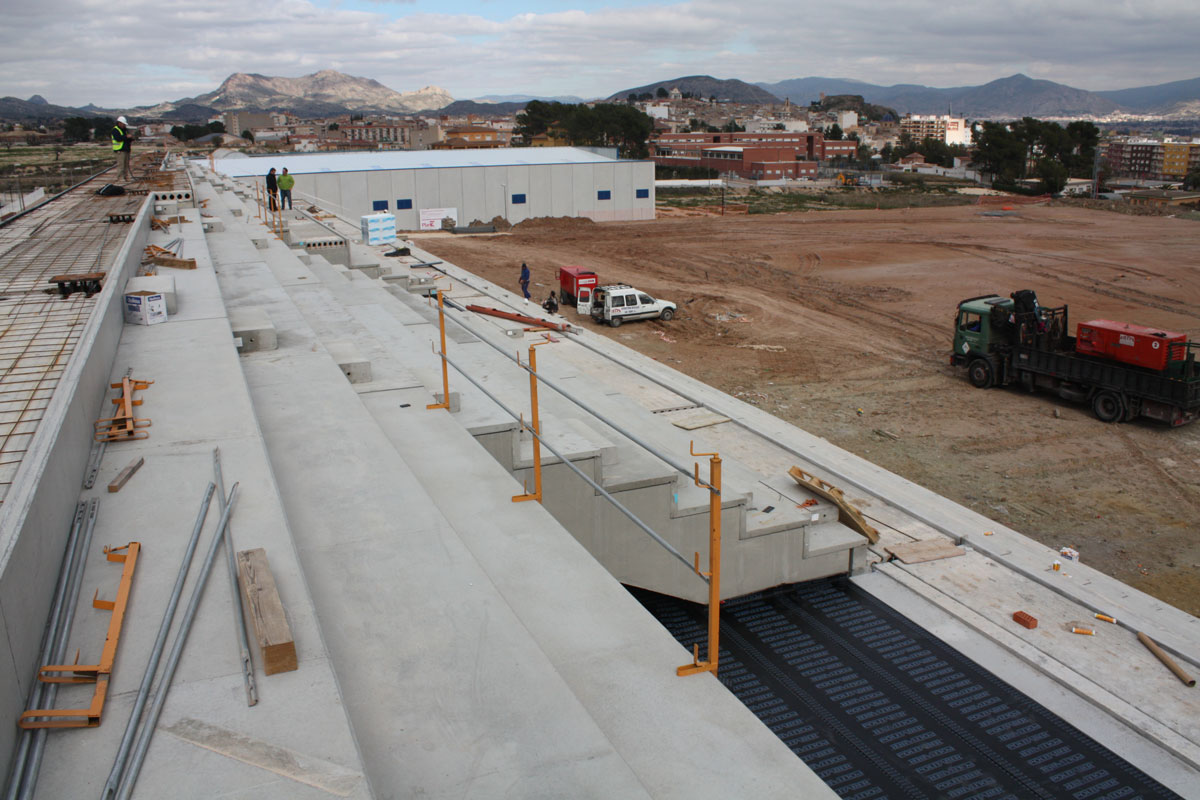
620, 303
974, 323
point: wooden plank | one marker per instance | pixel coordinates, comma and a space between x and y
125, 474
266, 613
925, 550
173, 263
848, 515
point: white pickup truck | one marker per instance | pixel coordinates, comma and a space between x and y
619, 302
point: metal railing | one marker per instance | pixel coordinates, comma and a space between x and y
713, 485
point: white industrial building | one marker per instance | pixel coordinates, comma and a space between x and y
423, 187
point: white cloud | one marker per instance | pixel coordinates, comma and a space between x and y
145, 51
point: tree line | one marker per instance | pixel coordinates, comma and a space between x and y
1013, 151
603, 125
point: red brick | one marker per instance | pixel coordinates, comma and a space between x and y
1021, 618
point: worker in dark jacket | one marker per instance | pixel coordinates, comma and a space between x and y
272, 189
551, 303
123, 148
525, 280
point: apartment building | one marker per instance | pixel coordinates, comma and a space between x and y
1150, 159
951, 130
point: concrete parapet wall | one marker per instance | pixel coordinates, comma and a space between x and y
36, 517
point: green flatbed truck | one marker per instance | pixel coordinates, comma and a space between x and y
1012, 340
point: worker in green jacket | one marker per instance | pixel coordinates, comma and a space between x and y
286, 182
121, 145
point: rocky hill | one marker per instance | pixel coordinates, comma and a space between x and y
327, 92
704, 87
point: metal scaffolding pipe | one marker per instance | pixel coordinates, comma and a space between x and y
616, 503
49, 637
185, 627
239, 618
59, 655
160, 641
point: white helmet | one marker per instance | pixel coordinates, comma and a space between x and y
122, 120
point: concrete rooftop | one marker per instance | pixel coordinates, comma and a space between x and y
451, 642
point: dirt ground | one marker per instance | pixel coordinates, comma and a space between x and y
814, 316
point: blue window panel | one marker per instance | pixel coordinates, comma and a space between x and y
518, 199
379, 205
604, 194
403, 204
643, 194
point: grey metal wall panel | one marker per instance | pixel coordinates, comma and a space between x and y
561, 188
541, 192
378, 188
475, 198
450, 192
427, 189
494, 191
404, 187
623, 185
353, 187
583, 189
517, 182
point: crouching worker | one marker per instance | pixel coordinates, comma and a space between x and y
551, 303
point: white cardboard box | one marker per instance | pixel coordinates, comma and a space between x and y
145, 308
378, 228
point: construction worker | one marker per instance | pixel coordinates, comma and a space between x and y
122, 146
286, 182
272, 189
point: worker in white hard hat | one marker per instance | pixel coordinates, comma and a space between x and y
122, 146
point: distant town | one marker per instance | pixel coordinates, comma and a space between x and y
689, 137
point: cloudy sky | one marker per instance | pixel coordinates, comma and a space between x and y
121, 53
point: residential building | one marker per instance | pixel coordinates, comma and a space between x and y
466, 137
951, 130
1150, 159
238, 121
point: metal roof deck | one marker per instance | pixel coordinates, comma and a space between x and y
365, 161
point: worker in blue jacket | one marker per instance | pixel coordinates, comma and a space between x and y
525, 280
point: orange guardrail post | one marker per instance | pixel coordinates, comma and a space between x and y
445, 370
535, 427
714, 569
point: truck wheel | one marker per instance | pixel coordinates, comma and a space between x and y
980, 374
1107, 407
666, 314
615, 322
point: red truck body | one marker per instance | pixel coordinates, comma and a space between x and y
1129, 344
571, 279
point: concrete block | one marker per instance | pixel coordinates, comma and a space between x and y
159, 284
261, 242
370, 270
830, 537
350, 361
253, 326
237, 212
213, 225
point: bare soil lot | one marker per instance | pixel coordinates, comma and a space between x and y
814, 316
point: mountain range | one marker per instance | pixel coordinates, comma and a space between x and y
331, 93
1005, 98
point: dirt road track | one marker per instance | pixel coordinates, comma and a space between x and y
813, 316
